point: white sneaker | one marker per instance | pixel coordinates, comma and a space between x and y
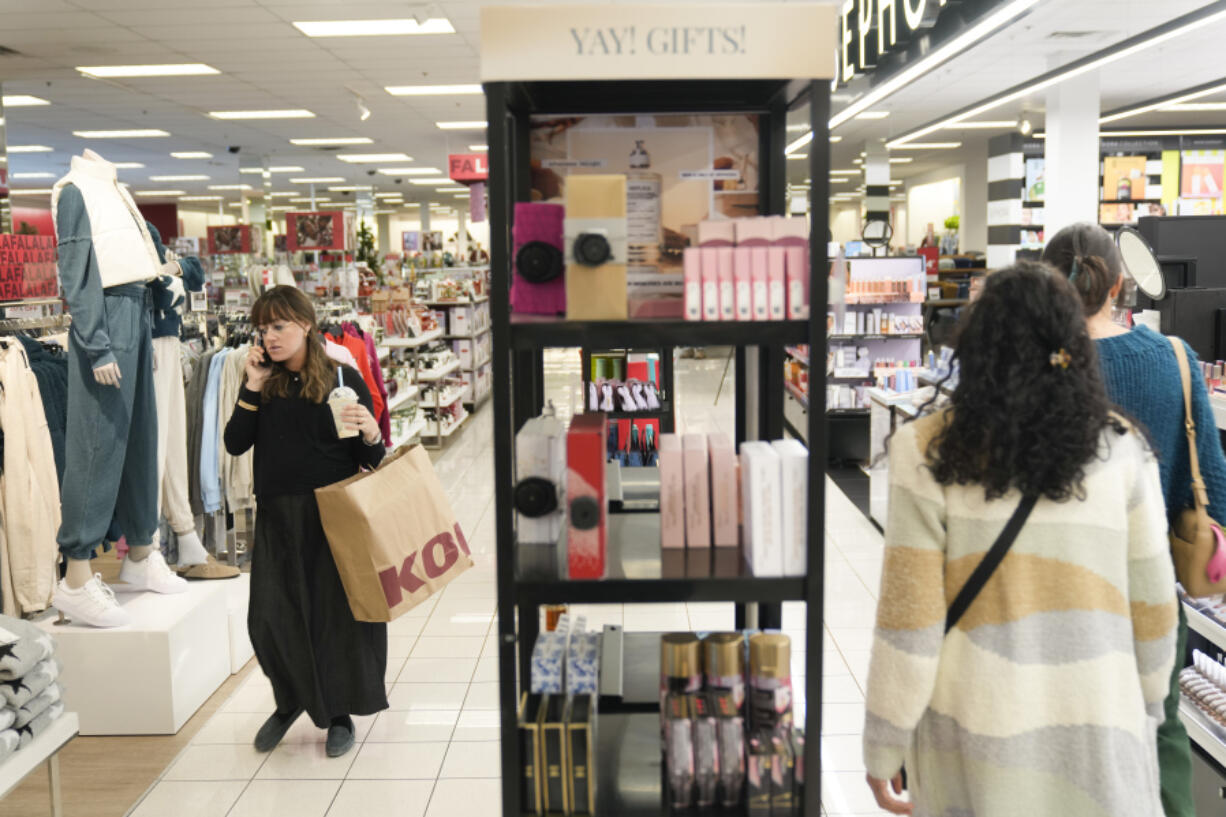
93, 603
151, 573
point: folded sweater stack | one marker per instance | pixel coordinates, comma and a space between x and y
30, 696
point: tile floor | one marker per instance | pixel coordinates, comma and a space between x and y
434, 753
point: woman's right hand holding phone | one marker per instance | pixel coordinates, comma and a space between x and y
257, 370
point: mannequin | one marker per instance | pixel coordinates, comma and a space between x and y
106, 259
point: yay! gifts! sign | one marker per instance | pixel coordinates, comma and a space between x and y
27, 267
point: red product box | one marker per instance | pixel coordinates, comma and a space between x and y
586, 501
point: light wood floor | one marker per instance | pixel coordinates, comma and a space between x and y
105, 776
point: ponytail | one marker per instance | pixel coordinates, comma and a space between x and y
1086, 254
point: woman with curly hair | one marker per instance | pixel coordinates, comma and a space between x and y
1142, 377
1045, 696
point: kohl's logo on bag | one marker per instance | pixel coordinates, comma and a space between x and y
438, 555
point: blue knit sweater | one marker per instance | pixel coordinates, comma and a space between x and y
1142, 377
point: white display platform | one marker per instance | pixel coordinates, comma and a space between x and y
238, 594
147, 678
39, 751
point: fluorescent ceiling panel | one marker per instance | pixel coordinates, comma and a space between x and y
33, 175
29, 149
288, 113
332, 140
409, 171
462, 125
161, 192
188, 69
138, 133
191, 154
23, 101
317, 179
374, 28
196, 178
479, 148
433, 90
359, 158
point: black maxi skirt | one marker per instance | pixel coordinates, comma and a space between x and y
305, 637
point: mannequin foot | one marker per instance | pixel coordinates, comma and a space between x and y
274, 730
340, 736
151, 573
78, 574
191, 551
139, 553
93, 604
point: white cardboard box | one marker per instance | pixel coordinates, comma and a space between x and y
540, 451
794, 494
761, 479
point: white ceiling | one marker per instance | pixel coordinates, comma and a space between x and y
267, 63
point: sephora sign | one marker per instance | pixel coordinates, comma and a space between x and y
870, 29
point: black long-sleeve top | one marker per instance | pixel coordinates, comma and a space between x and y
296, 447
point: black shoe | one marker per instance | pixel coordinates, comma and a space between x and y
340, 736
274, 729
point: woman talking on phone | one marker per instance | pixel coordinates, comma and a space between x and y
318, 658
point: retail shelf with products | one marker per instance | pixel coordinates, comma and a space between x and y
628, 767
430, 375
885, 336
797, 354
383, 351
480, 299
799, 395
483, 330
409, 434
402, 398
1207, 735
1205, 625
449, 397
413, 343
433, 429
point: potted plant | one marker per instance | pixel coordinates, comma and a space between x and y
949, 241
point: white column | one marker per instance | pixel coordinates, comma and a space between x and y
383, 225
1072, 167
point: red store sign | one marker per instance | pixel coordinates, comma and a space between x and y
469, 167
27, 267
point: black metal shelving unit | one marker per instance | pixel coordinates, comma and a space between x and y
628, 758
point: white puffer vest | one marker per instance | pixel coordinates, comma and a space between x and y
122, 245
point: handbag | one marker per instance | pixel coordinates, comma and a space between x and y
1197, 545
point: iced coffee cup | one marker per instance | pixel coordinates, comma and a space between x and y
338, 400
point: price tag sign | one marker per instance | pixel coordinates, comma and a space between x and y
199, 302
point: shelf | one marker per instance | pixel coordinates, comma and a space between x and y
796, 354
947, 302
478, 364
797, 394
383, 351
480, 299
447, 430
875, 336
1206, 734
1206, 626
479, 401
534, 331
650, 414
473, 336
447, 398
409, 434
884, 303
36, 752
848, 412
430, 375
402, 397
639, 570
413, 343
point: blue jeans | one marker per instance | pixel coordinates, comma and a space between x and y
110, 467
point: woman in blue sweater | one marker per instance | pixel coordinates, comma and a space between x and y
1142, 377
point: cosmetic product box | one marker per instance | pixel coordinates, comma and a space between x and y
672, 492
759, 266
538, 282
706, 750
697, 491
548, 663
692, 262
530, 715
586, 504
758, 777
583, 664
712, 233
679, 751
730, 725
581, 751
794, 479
783, 778
742, 274
725, 528
540, 471
754, 232
727, 283
760, 495
710, 283
797, 269
596, 248
776, 283
553, 740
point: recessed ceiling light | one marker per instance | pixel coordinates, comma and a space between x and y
308, 200
469, 125
388, 195
1196, 106
188, 69
128, 165
200, 198
288, 113
283, 195
357, 158
282, 207
350, 188
839, 180
161, 192
29, 149
431, 182
984, 124
317, 180
138, 133
902, 160
31, 192
410, 171
1111, 134
927, 146
479, 148
191, 154
178, 178
834, 139
333, 140
235, 204
229, 187
374, 28
281, 169
33, 175
797, 127
23, 101
433, 90
798, 156
799, 142
845, 173
872, 115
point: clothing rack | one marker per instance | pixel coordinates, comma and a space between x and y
62, 321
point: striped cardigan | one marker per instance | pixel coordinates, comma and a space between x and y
1045, 699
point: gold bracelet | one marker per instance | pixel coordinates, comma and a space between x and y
248, 406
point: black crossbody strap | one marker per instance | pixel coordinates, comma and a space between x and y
991, 561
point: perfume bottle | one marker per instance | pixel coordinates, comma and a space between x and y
643, 207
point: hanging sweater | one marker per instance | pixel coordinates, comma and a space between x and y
1045, 698
1142, 378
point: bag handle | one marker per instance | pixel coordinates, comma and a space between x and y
966, 596
1200, 496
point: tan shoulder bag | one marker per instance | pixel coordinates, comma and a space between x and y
1197, 544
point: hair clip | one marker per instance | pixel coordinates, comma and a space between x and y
1061, 358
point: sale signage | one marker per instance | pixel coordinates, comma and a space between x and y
27, 267
469, 167
230, 239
